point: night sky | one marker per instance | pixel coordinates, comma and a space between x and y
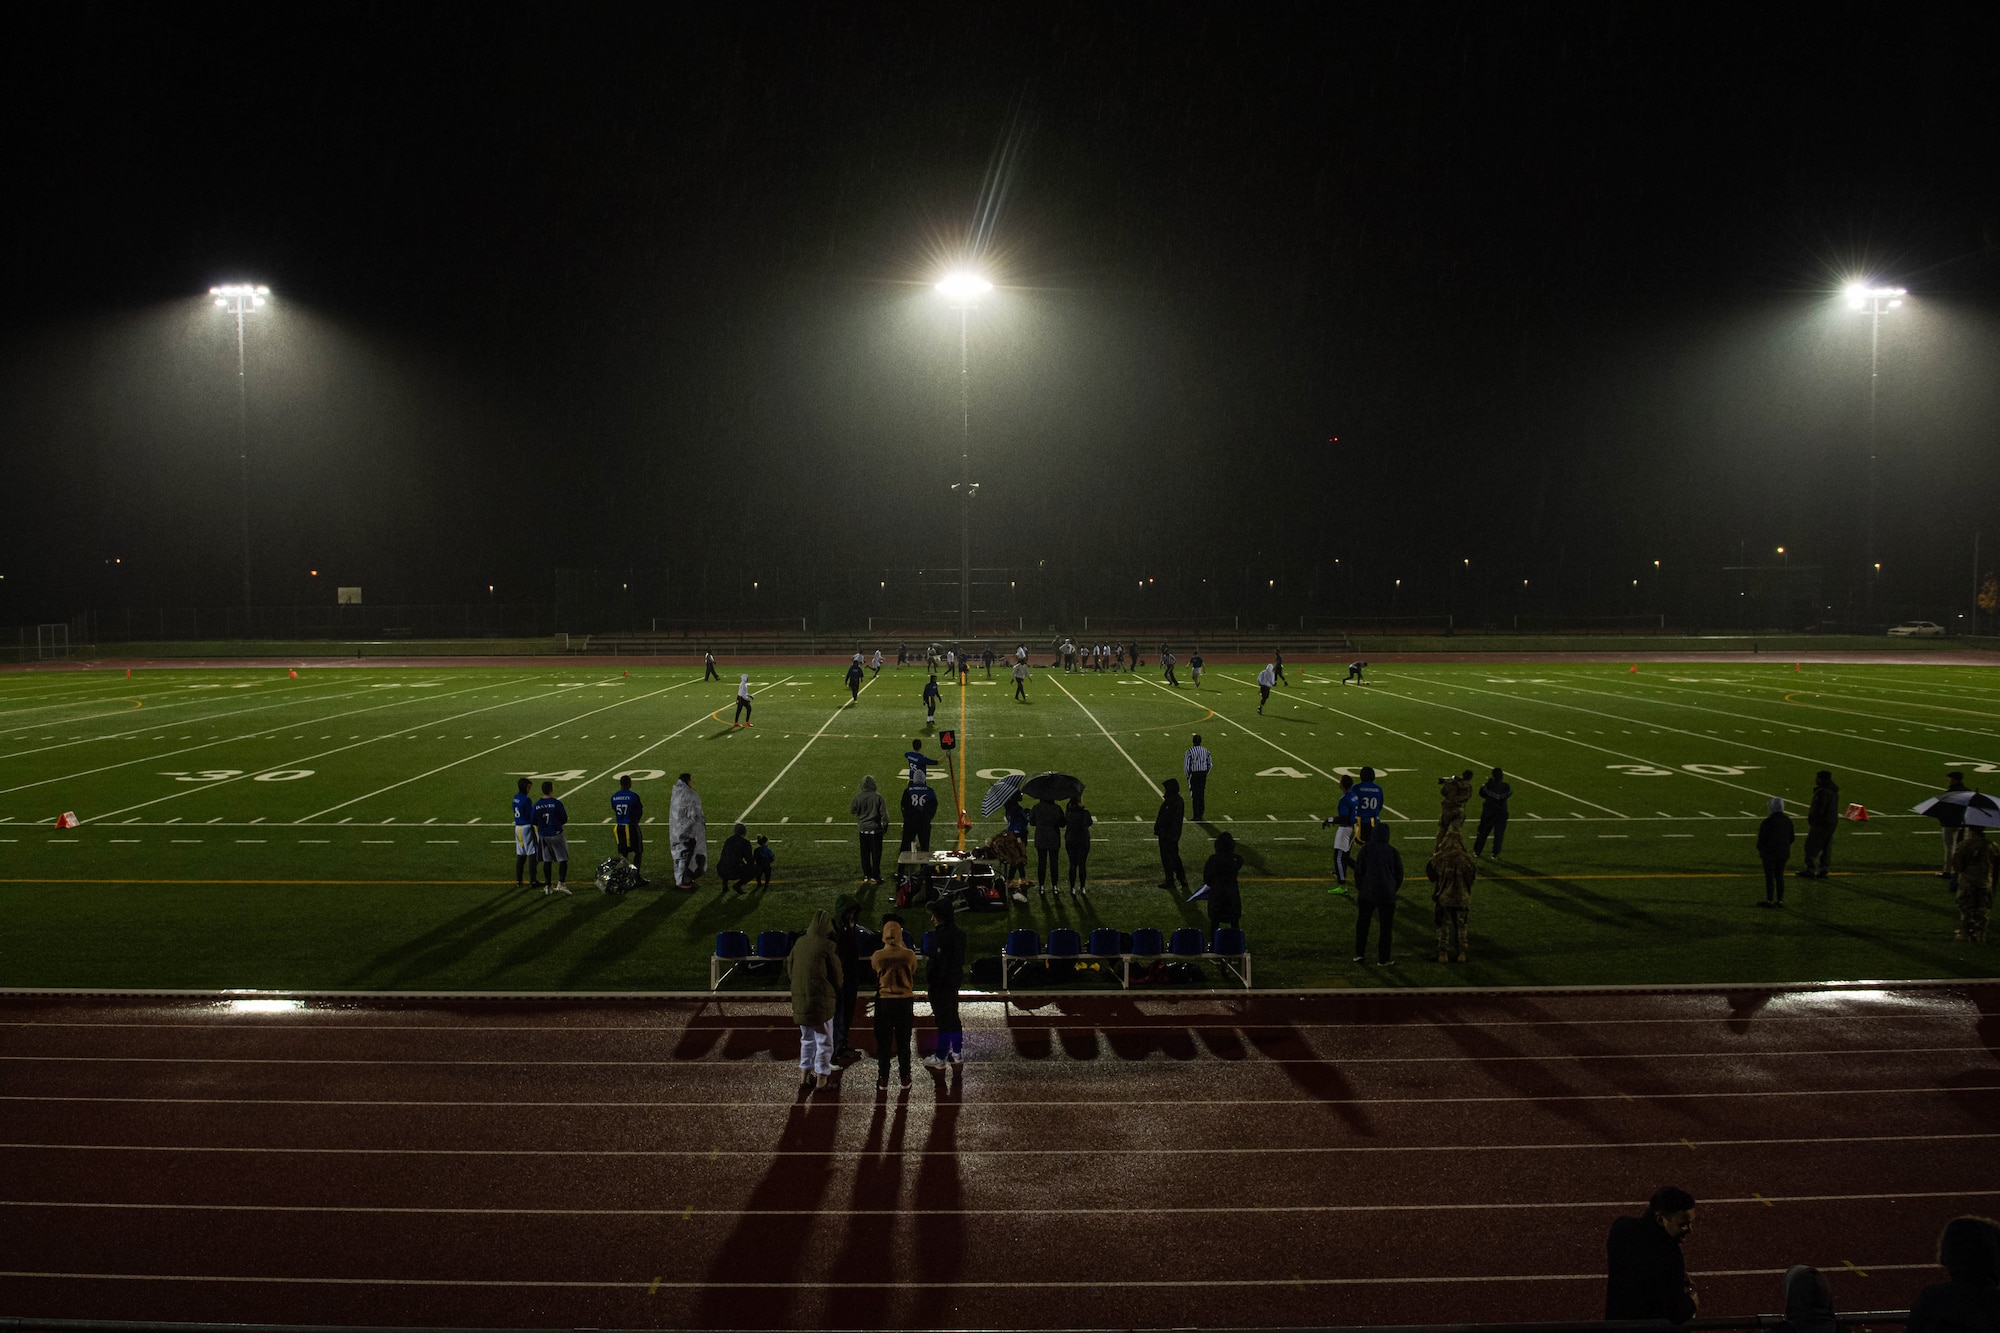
645, 291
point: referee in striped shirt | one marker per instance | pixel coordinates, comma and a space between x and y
1195, 765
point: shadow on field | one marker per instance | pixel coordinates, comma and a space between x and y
624, 939
583, 911
1574, 899
447, 942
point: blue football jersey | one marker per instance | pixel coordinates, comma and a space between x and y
524, 808
626, 807
550, 815
1367, 800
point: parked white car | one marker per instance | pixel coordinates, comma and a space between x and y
1917, 629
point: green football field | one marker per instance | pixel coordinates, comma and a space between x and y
349, 828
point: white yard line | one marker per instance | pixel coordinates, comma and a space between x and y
623, 764
505, 744
1558, 736
338, 749
1792, 724
204, 719
1432, 745
1704, 736
259, 735
831, 719
1152, 784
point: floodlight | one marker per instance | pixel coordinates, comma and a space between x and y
962, 285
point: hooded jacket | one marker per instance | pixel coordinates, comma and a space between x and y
1381, 869
1776, 834
1225, 895
815, 973
895, 965
1173, 812
870, 811
1076, 828
736, 862
1824, 812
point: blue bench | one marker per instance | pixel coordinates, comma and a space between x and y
733, 952
1024, 947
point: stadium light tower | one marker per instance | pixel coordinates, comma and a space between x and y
963, 289
1874, 300
239, 299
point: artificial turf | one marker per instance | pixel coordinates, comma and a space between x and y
348, 828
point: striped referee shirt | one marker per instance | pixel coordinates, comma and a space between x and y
1198, 760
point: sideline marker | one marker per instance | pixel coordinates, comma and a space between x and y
128, 673
1797, 666
1858, 813
1634, 668
295, 675
67, 819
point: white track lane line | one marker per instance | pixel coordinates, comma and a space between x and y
769, 786
206, 719
1430, 745
1152, 785
264, 733
1006, 1105
338, 749
821, 1285
503, 745
1553, 735
916, 1210
706, 1066
623, 764
1700, 735
1062, 1151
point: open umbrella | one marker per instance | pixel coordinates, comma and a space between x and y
1052, 787
1981, 810
998, 794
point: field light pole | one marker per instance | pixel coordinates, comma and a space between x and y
1874, 300
239, 299
964, 289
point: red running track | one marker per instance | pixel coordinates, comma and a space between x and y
1157, 1162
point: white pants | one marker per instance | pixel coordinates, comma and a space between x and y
816, 1048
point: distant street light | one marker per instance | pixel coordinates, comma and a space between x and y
1874, 300
239, 299
963, 289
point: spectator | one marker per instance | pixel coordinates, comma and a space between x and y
1493, 798
919, 806
814, 969
1377, 881
1076, 841
1645, 1275
765, 859
1822, 818
1969, 1251
1167, 829
687, 826
1774, 848
1808, 1301
895, 965
1225, 894
847, 948
1972, 867
947, 968
1951, 819
871, 819
1452, 872
1047, 820
737, 866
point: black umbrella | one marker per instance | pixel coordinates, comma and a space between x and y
1052, 787
1981, 810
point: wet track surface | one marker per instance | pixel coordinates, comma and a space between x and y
1099, 1162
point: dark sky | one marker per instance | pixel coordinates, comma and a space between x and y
646, 289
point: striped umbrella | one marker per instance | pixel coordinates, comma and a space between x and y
998, 794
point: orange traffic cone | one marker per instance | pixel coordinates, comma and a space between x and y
295, 675
128, 673
1797, 667
1634, 668
627, 673
1858, 813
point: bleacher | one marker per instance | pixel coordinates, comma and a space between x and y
1229, 949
